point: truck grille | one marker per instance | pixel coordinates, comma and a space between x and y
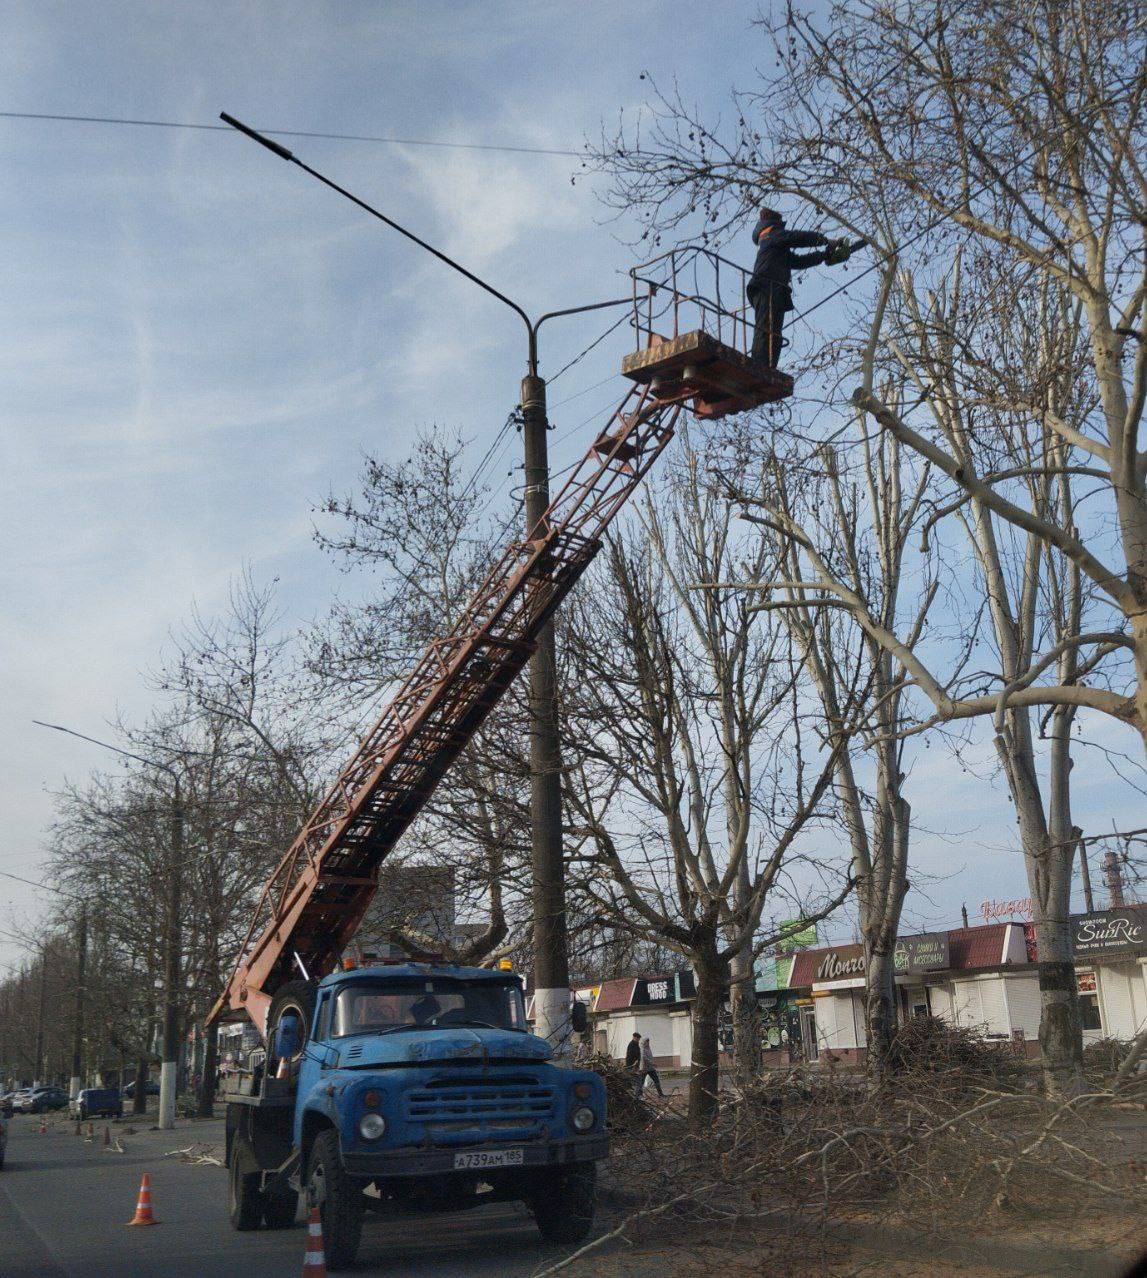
504, 1106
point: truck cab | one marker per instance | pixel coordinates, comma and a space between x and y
413, 1084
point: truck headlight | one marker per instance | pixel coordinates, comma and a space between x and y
371, 1126
583, 1118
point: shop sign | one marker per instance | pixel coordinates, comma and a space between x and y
657, 989
834, 968
996, 911
1109, 932
927, 952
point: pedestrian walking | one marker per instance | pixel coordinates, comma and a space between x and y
633, 1062
649, 1068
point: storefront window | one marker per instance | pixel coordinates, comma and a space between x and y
1089, 1012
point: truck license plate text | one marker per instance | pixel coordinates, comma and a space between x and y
488, 1158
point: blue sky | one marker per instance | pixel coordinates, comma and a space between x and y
197, 342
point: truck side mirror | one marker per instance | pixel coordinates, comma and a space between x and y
579, 1017
288, 1038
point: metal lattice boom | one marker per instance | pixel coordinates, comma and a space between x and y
312, 905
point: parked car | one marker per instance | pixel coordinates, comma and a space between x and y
152, 1089
39, 1100
97, 1101
8, 1100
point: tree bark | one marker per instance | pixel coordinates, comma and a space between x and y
205, 1104
704, 1080
139, 1100
746, 1020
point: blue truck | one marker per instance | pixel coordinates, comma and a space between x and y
416, 1084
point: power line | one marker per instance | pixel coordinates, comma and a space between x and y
290, 133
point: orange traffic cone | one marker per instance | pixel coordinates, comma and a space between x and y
43, 1126
143, 1214
314, 1262
107, 1135
91, 1133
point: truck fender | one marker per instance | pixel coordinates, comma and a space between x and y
320, 1112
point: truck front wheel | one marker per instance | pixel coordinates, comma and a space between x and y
339, 1198
564, 1203
244, 1201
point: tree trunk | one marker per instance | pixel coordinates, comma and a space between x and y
1048, 862
879, 1012
704, 1080
746, 1021
139, 1100
205, 1106
1060, 1030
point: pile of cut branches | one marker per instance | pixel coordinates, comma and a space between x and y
939, 1148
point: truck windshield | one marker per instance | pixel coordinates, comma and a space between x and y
365, 1008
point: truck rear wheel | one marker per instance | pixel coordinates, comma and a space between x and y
244, 1199
564, 1203
339, 1199
279, 1208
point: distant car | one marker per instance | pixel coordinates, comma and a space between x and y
152, 1089
39, 1100
97, 1101
4, 1112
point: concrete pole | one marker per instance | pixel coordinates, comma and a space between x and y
169, 1070
551, 961
1084, 871
78, 1029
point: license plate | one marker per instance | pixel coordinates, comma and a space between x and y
479, 1158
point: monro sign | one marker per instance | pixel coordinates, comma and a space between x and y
1109, 932
927, 952
834, 967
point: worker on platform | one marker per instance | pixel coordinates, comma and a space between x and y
770, 287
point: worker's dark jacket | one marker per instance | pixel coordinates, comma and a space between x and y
633, 1055
773, 269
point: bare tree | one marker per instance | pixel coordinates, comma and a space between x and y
862, 514
1004, 142
692, 772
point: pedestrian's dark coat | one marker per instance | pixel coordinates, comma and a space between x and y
633, 1054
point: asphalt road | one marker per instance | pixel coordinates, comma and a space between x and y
64, 1204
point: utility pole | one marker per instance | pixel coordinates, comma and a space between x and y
169, 1070
78, 1029
1084, 871
551, 961
38, 1080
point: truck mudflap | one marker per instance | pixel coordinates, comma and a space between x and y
437, 1162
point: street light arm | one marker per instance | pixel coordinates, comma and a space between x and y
362, 204
569, 310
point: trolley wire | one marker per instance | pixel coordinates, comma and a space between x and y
290, 133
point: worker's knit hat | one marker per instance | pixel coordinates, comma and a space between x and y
768, 218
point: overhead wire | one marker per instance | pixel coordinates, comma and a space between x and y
290, 133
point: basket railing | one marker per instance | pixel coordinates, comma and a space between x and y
688, 289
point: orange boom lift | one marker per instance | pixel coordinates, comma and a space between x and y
314, 901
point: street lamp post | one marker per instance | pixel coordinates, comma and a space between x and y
551, 960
